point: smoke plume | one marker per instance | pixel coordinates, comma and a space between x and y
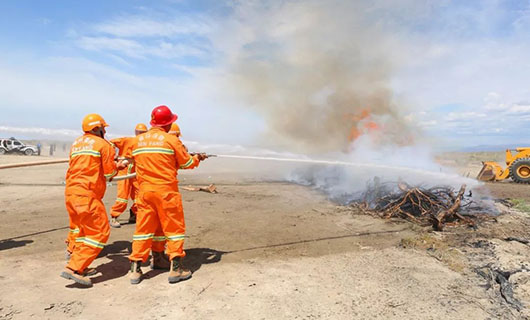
320, 74
318, 71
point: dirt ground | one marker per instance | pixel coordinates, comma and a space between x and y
264, 250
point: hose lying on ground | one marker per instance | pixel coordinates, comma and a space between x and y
56, 161
33, 163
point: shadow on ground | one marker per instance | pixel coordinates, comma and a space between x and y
118, 252
10, 244
118, 266
196, 257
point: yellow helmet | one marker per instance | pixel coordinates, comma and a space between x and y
175, 129
140, 127
92, 121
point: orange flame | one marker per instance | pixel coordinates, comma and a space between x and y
361, 124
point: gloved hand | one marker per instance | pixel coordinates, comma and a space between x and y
202, 156
122, 164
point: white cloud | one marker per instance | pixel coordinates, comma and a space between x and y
429, 123
141, 26
58, 92
443, 53
62, 133
135, 49
464, 116
519, 109
130, 48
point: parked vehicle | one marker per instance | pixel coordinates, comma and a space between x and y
517, 167
13, 145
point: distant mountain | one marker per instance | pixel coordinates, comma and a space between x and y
493, 148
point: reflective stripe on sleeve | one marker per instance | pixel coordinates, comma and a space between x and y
122, 200
187, 164
159, 238
110, 174
76, 230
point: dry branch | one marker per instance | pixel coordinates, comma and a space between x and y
210, 189
437, 206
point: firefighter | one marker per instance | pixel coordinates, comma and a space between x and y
158, 156
91, 163
127, 188
175, 130
161, 260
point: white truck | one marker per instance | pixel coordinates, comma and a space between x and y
13, 145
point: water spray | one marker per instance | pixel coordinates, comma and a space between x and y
359, 165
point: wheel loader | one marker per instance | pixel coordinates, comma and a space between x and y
517, 167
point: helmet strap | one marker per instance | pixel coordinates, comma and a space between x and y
98, 131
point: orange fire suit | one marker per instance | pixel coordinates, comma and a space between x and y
127, 188
160, 217
91, 162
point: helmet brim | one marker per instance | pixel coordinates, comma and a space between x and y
173, 119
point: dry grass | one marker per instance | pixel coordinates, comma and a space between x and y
436, 247
521, 205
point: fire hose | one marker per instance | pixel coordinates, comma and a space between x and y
358, 165
46, 162
57, 161
33, 163
133, 175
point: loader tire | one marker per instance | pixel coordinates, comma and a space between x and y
520, 170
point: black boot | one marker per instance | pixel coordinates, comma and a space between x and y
160, 261
132, 216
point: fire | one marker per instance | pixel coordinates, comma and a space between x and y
366, 123
362, 124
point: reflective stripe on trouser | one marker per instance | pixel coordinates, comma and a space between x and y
73, 232
159, 210
89, 215
156, 241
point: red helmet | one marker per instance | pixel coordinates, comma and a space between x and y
162, 116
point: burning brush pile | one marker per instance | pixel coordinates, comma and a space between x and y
438, 206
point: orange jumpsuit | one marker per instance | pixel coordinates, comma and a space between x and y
91, 162
158, 156
127, 188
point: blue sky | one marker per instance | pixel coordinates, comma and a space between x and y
460, 68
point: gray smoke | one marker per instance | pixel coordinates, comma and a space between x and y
311, 68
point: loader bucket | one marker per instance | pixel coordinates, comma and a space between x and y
490, 171
486, 173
